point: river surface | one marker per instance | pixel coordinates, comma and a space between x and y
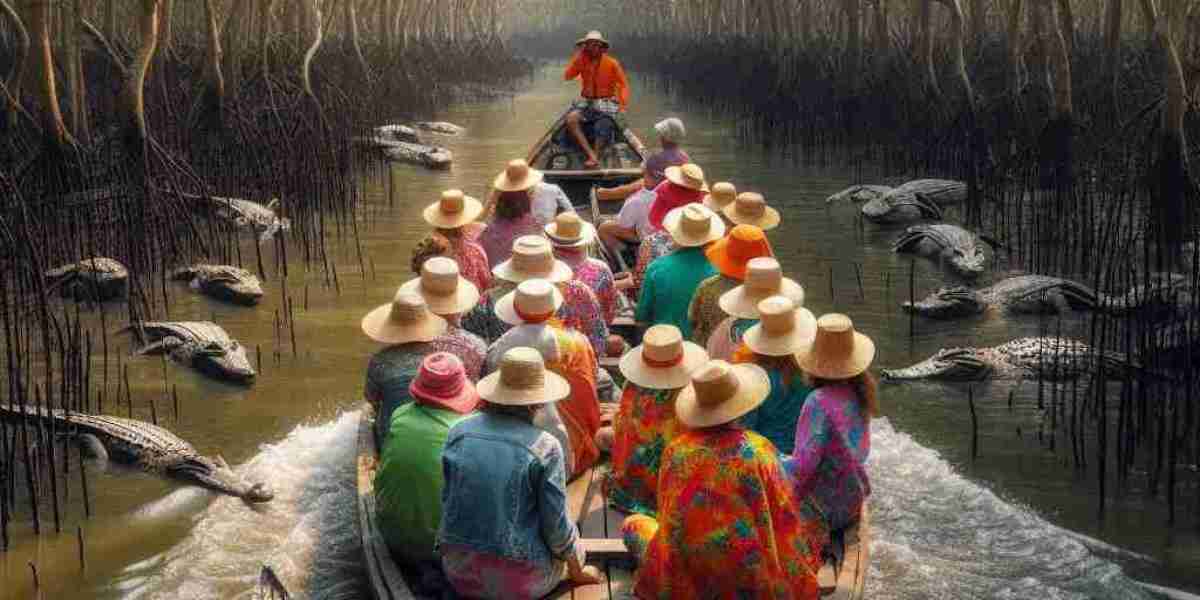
1013, 523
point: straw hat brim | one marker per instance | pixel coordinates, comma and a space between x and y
672, 221
433, 214
559, 273
492, 389
798, 339
586, 234
507, 312
768, 220
662, 378
728, 265
753, 387
711, 202
380, 328
463, 402
674, 174
739, 303
827, 368
504, 184
587, 39
464, 298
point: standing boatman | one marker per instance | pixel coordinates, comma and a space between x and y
604, 91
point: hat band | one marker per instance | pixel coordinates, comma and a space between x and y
662, 364
532, 317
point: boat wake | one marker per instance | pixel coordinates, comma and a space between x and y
308, 534
935, 534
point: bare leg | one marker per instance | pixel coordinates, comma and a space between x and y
576, 130
612, 234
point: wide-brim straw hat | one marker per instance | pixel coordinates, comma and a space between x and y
444, 289
720, 392
693, 225
663, 361
568, 230
532, 258
522, 380
533, 301
731, 254
721, 195
838, 351
764, 278
688, 175
783, 328
751, 208
442, 381
453, 210
405, 319
518, 176
592, 36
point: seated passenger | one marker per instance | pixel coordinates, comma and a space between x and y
604, 92
448, 295
751, 208
451, 216
505, 532
672, 279
521, 204
682, 185
408, 484
570, 236
783, 330
764, 278
729, 524
670, 133
729, 255
410, 331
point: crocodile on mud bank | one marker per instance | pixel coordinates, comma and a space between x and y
202, 345
145, 446
258, 217
952, 245
1046, 358
401, 143
911, 201
223, 282
97, 279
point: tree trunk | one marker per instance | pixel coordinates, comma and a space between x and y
1112, 54
923, 14
133, 97
1172, 178
74, 68
978, 33
1066, 24
352, 28
166, 35
313, 11
1016, 51
41, 79
213, 102
265, 49
12, 83
1058, 136
881, 35
853, 45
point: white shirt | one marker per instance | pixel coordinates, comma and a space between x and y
547, 200
635, 213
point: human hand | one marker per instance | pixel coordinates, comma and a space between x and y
585, 576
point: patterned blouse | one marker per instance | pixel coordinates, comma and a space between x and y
497, 239
833, 441
467, 346
577, 312
729, 523
726, 338
643, 426
472, 262
597, 275
705, 311
775, 419
655, 245
482, 320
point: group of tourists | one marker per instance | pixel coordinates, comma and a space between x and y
736, 441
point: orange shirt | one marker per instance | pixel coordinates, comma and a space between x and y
601, 79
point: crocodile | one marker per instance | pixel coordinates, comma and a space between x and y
97, 279
1047, 358
433, 157
860, 193
440, 127
202, 345
1160, 292
957, 247
396, 133
143, 445
223, 282
1030, 294
917, 199
244, 213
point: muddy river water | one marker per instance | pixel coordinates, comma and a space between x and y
1013, 523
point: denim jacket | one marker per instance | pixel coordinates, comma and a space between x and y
505, 490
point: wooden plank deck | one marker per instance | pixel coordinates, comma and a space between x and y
600, 533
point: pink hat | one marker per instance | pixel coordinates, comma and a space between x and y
442, 381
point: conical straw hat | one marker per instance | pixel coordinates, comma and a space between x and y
751, 208
446, 292
764, 278
405, 319
723, 193
720, 392
453, 210
517, 176
693, 225
663, 361
533, 301
783, 328
532, 258
838, 351
522, 380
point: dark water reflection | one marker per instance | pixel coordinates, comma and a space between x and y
945, 527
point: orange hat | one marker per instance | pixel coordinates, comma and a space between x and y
731, 253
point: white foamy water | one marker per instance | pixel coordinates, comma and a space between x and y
308, 534
935, 534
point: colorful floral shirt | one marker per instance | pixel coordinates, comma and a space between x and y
653, 246
467, 346
577, 312
643, 426
727, 338
729, 524
597, 276
497, 239
472, 262
705, 310
833, 441
482, 320
670, 283
775, 419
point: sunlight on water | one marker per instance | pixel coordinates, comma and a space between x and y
308, 534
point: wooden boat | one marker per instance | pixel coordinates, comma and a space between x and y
599, 528
562, 163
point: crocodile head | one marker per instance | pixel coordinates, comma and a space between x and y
948, 303
239, 287
967, 261
216, 475
224, 360
893, 207
955, 364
